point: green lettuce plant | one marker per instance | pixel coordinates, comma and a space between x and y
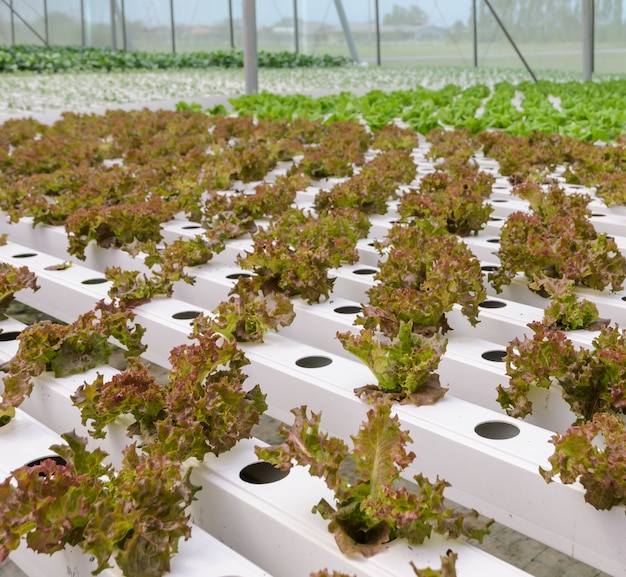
421, 278
247, 315
592, 380
12, 280
69, 349
557, 240
453, 204
566, 311
404, 366
371, 189
370, 508
594, 454
294, 254
203, 408
135, 515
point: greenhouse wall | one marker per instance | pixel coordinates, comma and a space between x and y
548, 33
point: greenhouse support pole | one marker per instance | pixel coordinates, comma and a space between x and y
45, 21
377, 15
475, 31
113, 26
510, 39
587, 21
82, 22
296, 32
231, 26
12, 24
173, 24
346, 30
88, 36
250, 55
124, 31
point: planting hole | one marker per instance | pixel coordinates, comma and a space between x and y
498, 199
313, 362
25, 255
492, 305
494, 356
237, 275
58, 460
348, 310
495, 219
489, 267
597, 214
99, 280
9, 336
495, 240
364, 271
186, 315
496, 430
261, 473
191, 227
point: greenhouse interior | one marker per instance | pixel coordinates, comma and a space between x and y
314, 289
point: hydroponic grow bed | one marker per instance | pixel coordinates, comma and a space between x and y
303, 364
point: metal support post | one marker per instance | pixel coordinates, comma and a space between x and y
173, 23
124, 31
377, 15
45, 22
346, 30
113, 26
250, 55
512, 42
12, 24
475, 31
82, 23
296, 31
587, 23
230, 24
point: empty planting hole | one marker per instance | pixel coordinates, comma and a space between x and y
496, 430
191, 227
98, 280
498, 200
261, 473
494, 356
597, 214
365, 271
186, 315
495, 218
348, 310
492, 305
25, 255
495, 240
489, 267
314, 362
9, 336
236, 275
